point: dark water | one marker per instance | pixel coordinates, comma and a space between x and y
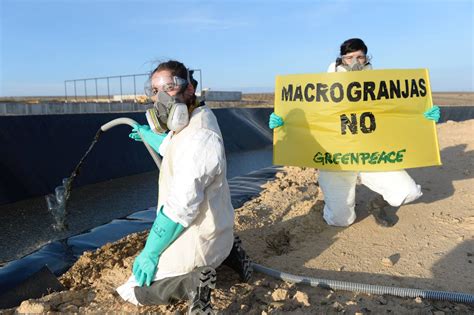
57, 202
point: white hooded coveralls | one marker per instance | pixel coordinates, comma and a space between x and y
194, 192
396, 187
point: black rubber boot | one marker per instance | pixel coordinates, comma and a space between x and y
201, 301
195, 286
239, 261
377, 208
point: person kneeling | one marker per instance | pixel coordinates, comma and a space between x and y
193, 230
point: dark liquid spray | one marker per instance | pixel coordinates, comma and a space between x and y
57, 202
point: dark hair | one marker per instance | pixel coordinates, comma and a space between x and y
177, 69
351, 45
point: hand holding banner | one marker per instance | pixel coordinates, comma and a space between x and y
364, 120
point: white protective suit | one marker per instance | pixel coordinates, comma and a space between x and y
396, 187
193, 191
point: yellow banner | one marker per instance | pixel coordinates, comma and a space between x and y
361, 120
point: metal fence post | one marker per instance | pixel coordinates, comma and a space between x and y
65, 90
85, 89
108, 90
96, 92
121, 97
134, 89
75, 91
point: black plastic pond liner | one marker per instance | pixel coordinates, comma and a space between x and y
59, 256
37, 285
43, 149
456, 113
40, 150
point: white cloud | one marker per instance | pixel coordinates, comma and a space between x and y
193, 21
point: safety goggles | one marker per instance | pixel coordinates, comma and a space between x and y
164, 84
349, 59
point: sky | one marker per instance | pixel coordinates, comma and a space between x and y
238, 45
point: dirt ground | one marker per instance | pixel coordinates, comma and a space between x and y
430, 247
453, 98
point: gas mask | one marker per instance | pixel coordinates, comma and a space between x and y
168, 113
354, 66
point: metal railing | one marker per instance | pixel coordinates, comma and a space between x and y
120, 97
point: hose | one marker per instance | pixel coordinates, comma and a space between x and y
366, 288
132, 123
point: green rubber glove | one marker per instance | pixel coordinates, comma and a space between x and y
163, 232
433, 113
150, 137
275, 121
